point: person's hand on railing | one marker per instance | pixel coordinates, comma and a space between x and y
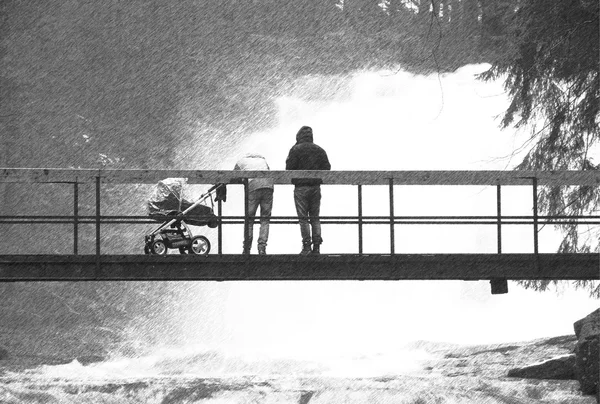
236, 180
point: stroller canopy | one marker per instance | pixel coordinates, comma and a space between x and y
167, 195
169, 198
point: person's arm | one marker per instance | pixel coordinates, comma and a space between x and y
291, 163
266, 164
237, 180
325, 161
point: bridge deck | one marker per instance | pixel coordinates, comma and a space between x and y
294, 267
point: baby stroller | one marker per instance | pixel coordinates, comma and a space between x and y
168, 205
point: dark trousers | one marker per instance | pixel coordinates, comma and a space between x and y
308, 205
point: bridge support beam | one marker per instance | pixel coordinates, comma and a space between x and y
293, 267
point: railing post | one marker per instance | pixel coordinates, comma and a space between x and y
392, 235
75, 216
499, 286
499, 216
360, 221
97, 225
535, 216
246, 219
220, 227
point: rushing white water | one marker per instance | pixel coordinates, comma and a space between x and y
381, 121
387, 121
395, 121
350, 329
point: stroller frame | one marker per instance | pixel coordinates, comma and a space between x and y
175, 233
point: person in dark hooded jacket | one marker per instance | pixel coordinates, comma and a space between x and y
305, 155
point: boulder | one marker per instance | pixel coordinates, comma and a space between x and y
587, 331
561, 368
88, 359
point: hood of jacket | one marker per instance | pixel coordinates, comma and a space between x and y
304, 135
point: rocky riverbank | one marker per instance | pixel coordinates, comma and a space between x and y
445, 374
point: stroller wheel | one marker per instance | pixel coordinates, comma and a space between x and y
158, 247
200, 245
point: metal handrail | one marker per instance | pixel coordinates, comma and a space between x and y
129, 176
392, 179
492, 219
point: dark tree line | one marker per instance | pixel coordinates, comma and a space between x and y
122, 84
82, 82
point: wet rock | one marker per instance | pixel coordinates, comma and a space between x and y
34, 397
587, 331
305, 397
3, 353
87, 359
199, 391
562, 368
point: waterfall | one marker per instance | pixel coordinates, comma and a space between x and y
390, 120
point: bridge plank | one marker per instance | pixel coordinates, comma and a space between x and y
294, 267
59, 175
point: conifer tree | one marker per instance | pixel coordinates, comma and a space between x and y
551, 72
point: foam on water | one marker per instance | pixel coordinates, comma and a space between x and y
196, 362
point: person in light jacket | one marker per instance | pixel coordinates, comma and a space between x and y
260, 193
305, 155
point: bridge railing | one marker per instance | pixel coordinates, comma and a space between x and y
391, 179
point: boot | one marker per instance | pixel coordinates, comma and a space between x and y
246, 249
316, 250
305, 249
262, 250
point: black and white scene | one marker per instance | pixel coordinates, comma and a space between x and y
299, 202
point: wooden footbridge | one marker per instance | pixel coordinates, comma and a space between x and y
29, 265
